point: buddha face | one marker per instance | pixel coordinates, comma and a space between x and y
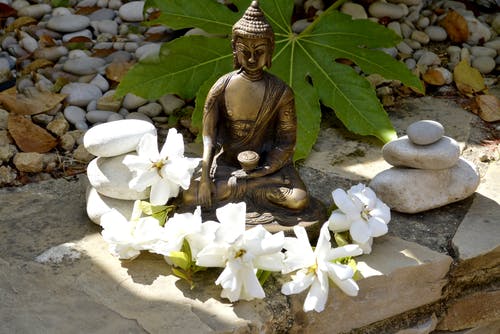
252, 54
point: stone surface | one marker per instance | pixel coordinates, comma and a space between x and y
439, 155
111, 139
29, 162
110, 177
425, 132
482, 222
472, 310
98, 205
80, 94
83, 65
416, 190
68, 23
399, 276
357, 158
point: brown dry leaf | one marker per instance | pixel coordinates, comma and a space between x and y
38, 103
101, 53
87, 10
7, 11
21, 22
36, 64
434, 77
28, 136
469, 81
456, 27
46, 41
489, 107
116, 71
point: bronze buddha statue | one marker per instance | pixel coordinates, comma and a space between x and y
250, 113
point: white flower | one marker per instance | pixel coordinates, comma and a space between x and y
241, 253
185, 226
360, 212
316, 267
164, 171
126, 238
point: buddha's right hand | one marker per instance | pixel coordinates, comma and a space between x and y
205, 194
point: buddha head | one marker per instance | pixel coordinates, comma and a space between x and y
252, 41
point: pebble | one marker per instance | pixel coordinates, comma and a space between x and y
484, 64
152, 109
7, 175
106, 26
28, 43
139, 116
7, 151
396, 27
67, 142
496, 24
355, 10
494, 44
415, 190
382, 9
42, 119
425, 132
478, 31
98, 205
110, 177
4, 116
423, 22
82, 33
116, 138
35, 11
436, 33
83, 65
100, 82
115, 117
481, 51
132, 11
80, 94
29, 162
403, 153
404, 48
420, 37
410, 63
81, 154
18, 4
98, 116
148, 52
68, 23
102, 14
406, 30
429, 58
132, 101
51, 53
59, 126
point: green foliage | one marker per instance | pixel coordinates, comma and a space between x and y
159, 212
262, 276
305, 61
59, 3
184, 266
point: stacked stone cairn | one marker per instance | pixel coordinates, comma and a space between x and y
428, 171
108, 177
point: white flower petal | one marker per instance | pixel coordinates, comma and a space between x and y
213, 255
378, 226
162, 191
174, 145
251, 286
348, 286
366, 247
345, 203
344, 251
232, 219
148, 147
317, 296
381, 211
323, 245
144, 180
270, 262
338, 222
136, 163
300, 281
340, 271
360, 231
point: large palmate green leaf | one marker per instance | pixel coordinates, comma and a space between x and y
306, 61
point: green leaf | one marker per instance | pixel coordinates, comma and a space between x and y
180, 274
342, 238
262, 276
207, 15
180, 259
306, 62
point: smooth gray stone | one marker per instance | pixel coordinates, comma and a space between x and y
68, 23
415, 190
110, 177
102, 14
440, 155
98, 205
98, 116
116, 138
35, 11
80, 94
132, 11
425, 132
83, 65
436, 33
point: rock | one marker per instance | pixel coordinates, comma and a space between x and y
74, 114
139, 116
98, 205
35, 11
83, 65
29, 43
42, 119
68, 23
7, 151
81, 154
132, 11
109, 102
496, 24
481, 51
67, 142
436, 33
423, 22
82, 33
148, 52
106, 26
50, 53
382, 9
152, 109
416, 190
132, 101
7, 175
100, 82
59, 126
478, 31
98, 116
355, 10
116, 138
484, 64
404, 48
438, 76
171, 103
110, 177
4, 115
489, 107
115, 117
440, 155
429, 58
102, 14
420, 37
29, 162
396, 27
425, 132
80, 94
5, 138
